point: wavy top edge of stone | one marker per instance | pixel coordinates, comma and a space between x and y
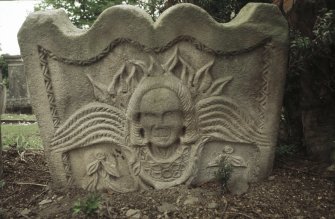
130, 21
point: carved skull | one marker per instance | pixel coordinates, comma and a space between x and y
161, 117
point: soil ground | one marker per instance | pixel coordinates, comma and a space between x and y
297, 188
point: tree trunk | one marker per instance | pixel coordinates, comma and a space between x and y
315, 110
318, 107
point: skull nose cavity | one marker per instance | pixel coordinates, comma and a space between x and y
161, 132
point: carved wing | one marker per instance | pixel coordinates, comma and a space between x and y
94, 123
220, 118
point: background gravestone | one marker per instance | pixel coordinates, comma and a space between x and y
2, 110
18, 95
153, 105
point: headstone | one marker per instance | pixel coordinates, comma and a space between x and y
18, 95
2, 110
133, 104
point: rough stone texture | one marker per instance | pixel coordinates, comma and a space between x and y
2, 110
167, 207
3, 95
133, 214
131, 104
18, 95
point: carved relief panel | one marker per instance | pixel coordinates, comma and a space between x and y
135, 116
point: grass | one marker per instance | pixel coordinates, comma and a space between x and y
223, 174
21, 136
89, 206
18, 117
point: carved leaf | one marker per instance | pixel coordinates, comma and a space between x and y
218, 85
172, 62
130, 154
187, 73
183, 75
131, 79
203, 78
117, 80
137, 168
215, 162
140, 64
102, 173
93, 167
151, 65
92, 183
237, 161
111, 169
99, 90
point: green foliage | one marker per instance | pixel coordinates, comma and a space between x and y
21, 143
324, 31
286, 150
152, 7
2, 213
225, 169
3, 67
2, 183
305, 52
322, 57
299, 50
9, 116
84, 12
21, 136
310, 82
89, 206
224, 10
81, 12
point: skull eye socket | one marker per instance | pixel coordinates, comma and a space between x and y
142, 132
137, 116
183, 131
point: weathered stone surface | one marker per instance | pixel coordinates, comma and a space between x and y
3, 95
191, 200
133, 213
213, 205
2, 110
133, 104
18, 95
167, 207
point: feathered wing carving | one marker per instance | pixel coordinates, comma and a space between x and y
94, 123
220, 118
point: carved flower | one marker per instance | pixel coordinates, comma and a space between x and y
228, 149
111, 169
100, 168
237, 161
234, 160
167, 173
102, 165
100, 156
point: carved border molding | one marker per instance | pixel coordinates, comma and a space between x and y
43, 56
67, 168
264, 89
183, 38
